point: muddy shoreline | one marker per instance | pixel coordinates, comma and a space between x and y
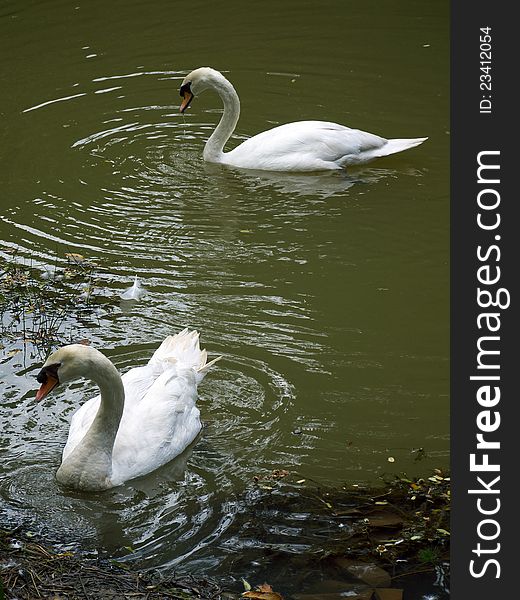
381, 543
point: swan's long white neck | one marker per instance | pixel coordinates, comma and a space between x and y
89, 465
214, 148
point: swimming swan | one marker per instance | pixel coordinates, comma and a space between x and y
139, 422
298, 146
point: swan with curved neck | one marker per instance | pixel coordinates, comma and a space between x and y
139, 422
298, 146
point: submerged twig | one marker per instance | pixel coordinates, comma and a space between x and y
36, 306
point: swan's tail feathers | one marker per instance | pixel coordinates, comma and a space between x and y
183, 349
398, 145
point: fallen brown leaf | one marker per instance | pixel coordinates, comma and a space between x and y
263, 592
75, 257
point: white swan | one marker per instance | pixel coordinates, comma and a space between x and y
298, 146
139, 422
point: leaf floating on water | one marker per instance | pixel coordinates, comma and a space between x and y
279, 473
75, 257
263, 592
264, 587
273, 476
134, 292
420, 454
246, 584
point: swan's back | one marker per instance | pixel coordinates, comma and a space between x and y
312, 145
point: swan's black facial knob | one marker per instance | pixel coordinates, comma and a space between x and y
51, 370
185, 87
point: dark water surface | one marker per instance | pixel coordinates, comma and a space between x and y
327, 294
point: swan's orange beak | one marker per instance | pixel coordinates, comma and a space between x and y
187, 97
46, 387
48, 377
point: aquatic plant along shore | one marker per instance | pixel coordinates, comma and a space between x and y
368, 543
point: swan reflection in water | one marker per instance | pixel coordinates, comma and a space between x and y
105, 516
321, 185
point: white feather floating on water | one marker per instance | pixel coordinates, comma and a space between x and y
134, 292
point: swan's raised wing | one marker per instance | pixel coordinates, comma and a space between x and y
158, 427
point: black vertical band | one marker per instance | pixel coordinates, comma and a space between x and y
485, 259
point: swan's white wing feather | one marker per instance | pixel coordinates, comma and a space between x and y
134, 292
158, 427
304, 146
